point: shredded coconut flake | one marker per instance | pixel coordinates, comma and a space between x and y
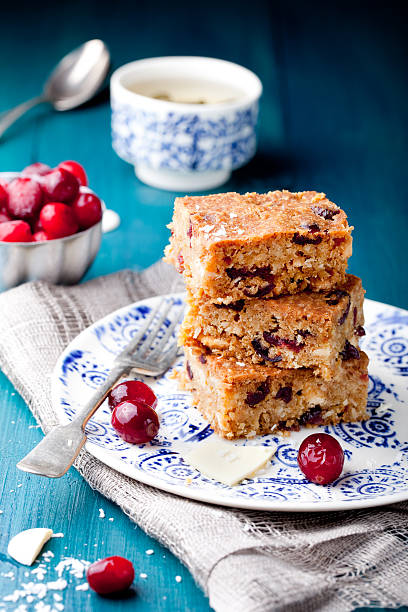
178, 579
150, 551
82, 587
220, 232
101, 513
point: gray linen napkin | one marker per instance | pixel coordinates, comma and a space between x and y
244, 561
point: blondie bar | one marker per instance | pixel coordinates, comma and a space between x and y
231, 246
292, 331
240, 400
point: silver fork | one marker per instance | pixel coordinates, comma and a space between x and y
55, 454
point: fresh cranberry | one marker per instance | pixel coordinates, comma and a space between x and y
135, 421
110, 575
88, 210
41, 236
132, 390
37, 169
60, 186
25, 197
58, 220
4, 217
3, 197
37, 225
321, 458
15, 231
75, 169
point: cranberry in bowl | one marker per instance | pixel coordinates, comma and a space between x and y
42, 236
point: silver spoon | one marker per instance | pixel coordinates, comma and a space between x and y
74, 80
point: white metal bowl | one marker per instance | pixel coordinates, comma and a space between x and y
61, 261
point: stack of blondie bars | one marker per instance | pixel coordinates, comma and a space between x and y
273, 321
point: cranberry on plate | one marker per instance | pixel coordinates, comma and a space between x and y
88, 210
321, 458
25, 198
135, 421
75, 169
110, 575
132, 390
15, 231
60, 186
58, 220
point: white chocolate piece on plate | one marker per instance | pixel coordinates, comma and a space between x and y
227, 463
26, 545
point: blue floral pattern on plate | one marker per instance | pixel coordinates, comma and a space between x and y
376, 451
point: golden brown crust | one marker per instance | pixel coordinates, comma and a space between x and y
230, 245
254, 216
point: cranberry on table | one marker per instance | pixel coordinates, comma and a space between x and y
58, 220
110, 575
75, 169
321, 458
40, 236
25, 198
15, 231
132, 390
60, 186
37, 169
135, 421
88, 210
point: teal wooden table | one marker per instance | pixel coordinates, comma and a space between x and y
334, 118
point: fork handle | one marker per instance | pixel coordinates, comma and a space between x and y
84, 414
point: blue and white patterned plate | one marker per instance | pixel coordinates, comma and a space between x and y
376, 451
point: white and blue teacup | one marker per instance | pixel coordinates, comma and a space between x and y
184, 122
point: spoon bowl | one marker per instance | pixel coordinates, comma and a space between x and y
78, 76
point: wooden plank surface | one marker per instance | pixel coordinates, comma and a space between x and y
334, 118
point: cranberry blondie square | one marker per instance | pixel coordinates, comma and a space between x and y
240, 400
306, 330
231, 246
